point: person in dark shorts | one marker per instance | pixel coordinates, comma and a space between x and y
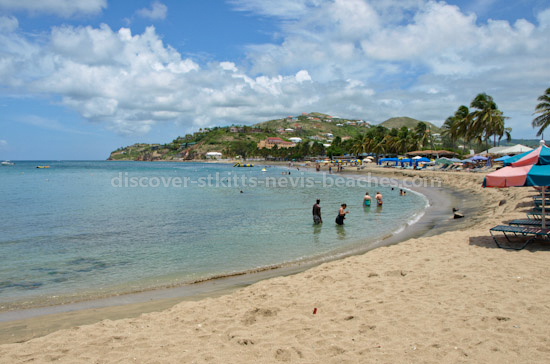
317, 219
341, 214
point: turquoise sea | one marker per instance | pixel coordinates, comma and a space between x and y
82, 230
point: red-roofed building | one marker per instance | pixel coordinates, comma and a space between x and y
275, 142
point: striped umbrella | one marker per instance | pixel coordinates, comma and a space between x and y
531, 169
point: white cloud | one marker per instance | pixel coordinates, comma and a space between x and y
303, 76
64, 8
157, 11
354, 58
8, 24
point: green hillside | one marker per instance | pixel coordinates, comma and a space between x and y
410, 123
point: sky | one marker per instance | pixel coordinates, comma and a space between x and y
80, 78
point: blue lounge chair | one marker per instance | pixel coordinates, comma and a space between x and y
526, 222
536, 213
532, 231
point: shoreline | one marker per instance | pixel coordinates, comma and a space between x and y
447, 298
133, 304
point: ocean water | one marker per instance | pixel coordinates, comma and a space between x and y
82, 230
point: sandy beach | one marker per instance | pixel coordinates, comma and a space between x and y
449, 298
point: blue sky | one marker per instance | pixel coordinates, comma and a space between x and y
80, 78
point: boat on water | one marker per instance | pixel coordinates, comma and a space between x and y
7, 163
42, 166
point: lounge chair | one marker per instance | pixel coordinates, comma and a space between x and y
538, 202
526, 222
533, 231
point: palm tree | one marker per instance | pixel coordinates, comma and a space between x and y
360, 144
422, 134
543, 120
461, 127
450, 129
487, 120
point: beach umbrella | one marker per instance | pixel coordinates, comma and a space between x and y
417, 157
533, 169
476, 158
503, 158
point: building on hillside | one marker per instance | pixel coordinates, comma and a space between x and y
271, 142
329, 135
213, 155
295, 140
289, 130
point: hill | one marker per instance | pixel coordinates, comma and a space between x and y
410, 123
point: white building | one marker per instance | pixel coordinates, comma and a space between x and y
295, 140
213, 155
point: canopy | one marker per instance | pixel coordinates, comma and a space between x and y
531, 169
478, 158
396, 160
502, 159
423, 159
443, 161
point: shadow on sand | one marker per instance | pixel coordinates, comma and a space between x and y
515, 242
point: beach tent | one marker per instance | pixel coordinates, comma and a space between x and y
383, 160
533, 169
421, 160
405, 161
516, 149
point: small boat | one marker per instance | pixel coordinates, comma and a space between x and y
8, 163
42, 166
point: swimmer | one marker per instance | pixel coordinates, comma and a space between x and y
341, 214
378, 198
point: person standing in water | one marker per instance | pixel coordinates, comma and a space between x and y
378, 198
366, 200
341, 214
317, 213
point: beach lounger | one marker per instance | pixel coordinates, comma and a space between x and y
533, 231
526, 222
536, 214
538, 202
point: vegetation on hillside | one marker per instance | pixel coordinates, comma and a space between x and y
324, 135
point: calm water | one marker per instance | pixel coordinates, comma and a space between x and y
67, 233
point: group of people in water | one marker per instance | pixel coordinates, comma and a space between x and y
342, 212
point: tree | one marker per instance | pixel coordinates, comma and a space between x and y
487, 120
543, 108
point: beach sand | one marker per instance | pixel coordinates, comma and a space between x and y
449, 298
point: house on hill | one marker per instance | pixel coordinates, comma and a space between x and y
271, 142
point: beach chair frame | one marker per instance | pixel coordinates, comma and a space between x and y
518, 231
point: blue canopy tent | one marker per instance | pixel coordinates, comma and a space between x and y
421, 160
396, 160
405, 161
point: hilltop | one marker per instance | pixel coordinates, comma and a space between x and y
399, 122
238, 140
317, 128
